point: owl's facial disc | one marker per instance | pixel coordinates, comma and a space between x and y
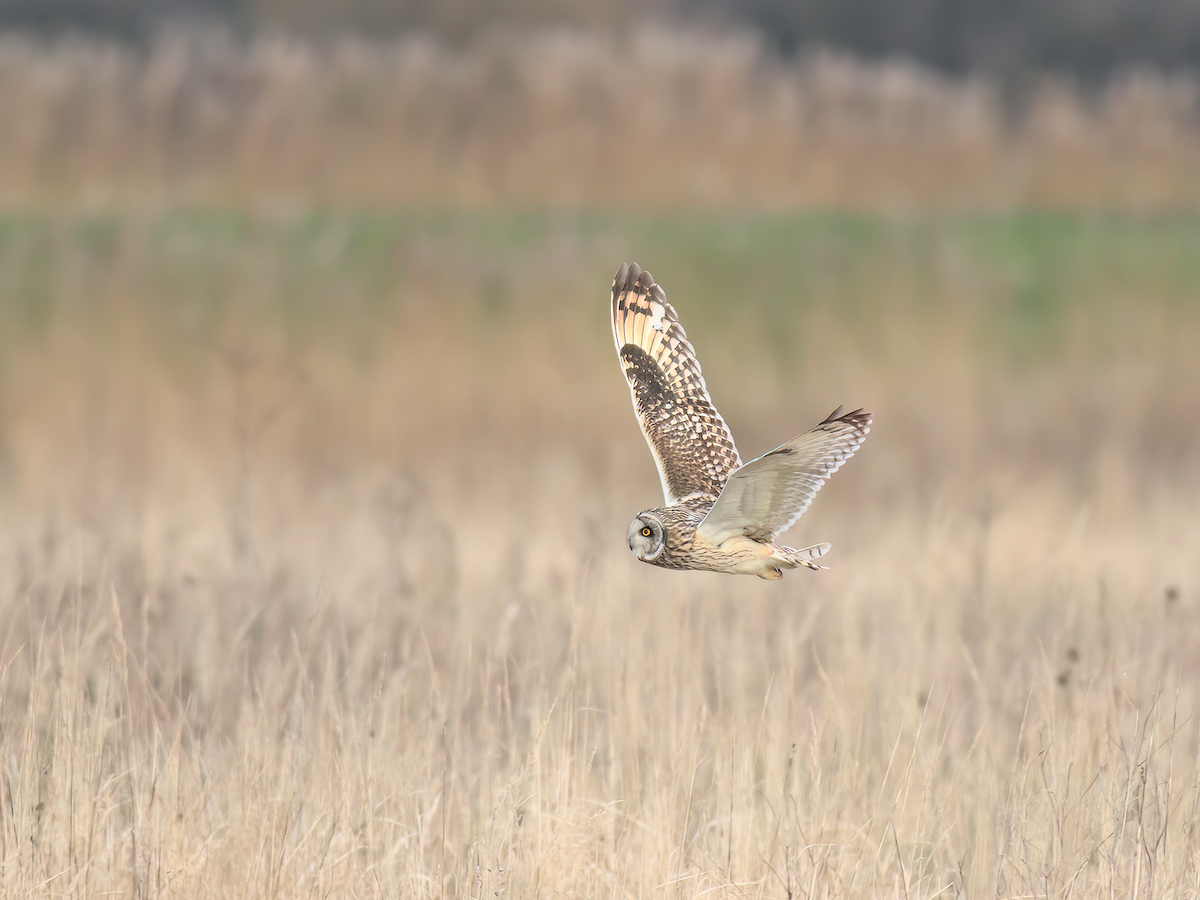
646, 537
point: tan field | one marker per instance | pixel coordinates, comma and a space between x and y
643, 118
314, 578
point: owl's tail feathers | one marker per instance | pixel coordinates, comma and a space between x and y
806, 556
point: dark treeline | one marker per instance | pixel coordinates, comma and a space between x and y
1006, 39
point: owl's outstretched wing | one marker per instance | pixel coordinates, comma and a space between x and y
767, 495
689, 439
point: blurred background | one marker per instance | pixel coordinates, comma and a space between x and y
316, 461
977, 213
722, 105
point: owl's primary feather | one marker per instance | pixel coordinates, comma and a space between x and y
690, 441
720, 515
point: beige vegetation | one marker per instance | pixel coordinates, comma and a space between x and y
650, 118
313, 576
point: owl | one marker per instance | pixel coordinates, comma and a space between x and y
721, 515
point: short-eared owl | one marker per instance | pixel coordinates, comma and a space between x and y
720, 515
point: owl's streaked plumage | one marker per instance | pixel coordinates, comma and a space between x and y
720, 515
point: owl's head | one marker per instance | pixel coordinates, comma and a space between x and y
646, 537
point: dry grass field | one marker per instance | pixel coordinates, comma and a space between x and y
649, 118
313, 577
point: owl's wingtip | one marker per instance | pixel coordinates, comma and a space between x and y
621, 277
626, 276
631, 276
858, 418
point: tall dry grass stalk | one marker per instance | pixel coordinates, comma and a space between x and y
328, 597
652, 119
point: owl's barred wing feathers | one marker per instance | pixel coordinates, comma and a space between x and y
767, 495
690, 441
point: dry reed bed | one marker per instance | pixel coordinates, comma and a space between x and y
339, 605
652, 118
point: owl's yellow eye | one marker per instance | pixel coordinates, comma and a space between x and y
646, 532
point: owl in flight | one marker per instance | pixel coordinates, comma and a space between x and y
720, 515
